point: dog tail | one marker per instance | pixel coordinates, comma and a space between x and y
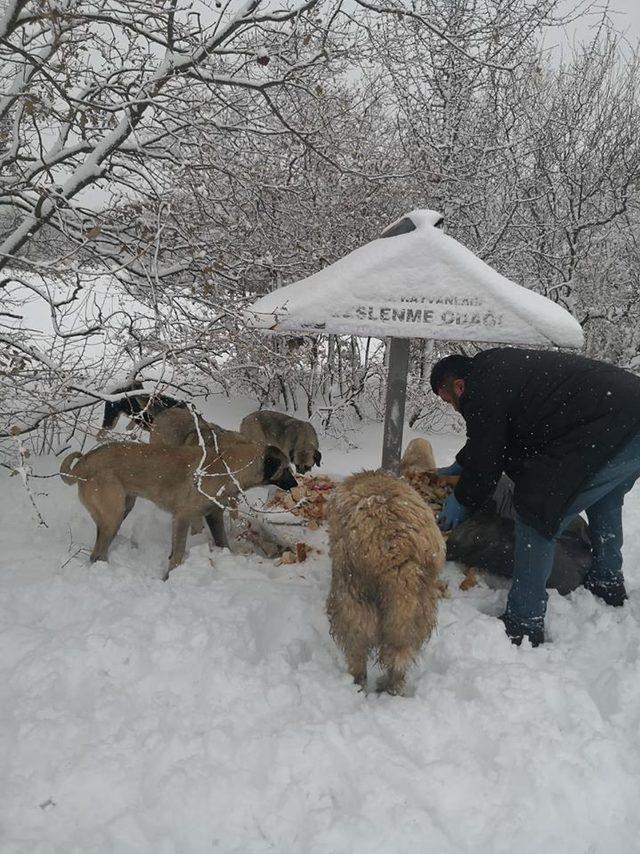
66, 468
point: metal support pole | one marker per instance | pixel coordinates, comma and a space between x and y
396, 399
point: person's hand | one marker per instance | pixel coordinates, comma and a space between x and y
450, 471
452, 513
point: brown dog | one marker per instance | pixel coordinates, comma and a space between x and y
180, 426
178, 480
296, 438
386, 553
418, 458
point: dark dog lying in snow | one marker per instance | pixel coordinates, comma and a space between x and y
486, 541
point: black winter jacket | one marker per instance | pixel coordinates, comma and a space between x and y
549, 420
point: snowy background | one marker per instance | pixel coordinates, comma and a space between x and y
214, 713
160, 173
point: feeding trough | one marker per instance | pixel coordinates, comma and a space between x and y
414, 281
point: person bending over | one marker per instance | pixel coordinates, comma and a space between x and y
566, 430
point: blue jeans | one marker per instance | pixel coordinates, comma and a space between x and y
602, 499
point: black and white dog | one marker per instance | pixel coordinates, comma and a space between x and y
143, 407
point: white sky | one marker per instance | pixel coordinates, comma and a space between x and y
625, 15
627, 18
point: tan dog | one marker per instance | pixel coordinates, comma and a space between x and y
170, 423
386, 553
180, 426
177, 427
296, 438
111, 477
418, 458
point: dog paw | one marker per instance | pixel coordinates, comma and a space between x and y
389, 685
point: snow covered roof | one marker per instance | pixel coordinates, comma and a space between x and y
416, 282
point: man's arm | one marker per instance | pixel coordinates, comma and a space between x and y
454, 470
460, 456
482, 458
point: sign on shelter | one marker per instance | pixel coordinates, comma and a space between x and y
416, 282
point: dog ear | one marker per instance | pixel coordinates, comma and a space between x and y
163, 401
111, 411
317, 457
273, 461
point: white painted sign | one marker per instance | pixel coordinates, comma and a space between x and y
416, 284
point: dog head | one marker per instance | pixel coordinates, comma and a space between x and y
126, 405
276, 468
305, 457
418, 459
143, 407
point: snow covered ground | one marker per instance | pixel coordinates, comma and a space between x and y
213, 713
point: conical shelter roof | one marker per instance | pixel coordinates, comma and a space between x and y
415, 281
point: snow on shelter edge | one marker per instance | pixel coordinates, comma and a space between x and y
414, 281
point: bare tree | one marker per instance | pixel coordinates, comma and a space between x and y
96, 96
536, 168
201, 154
100, 107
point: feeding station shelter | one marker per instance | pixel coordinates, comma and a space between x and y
414, 281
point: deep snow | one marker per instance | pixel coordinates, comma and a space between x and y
214, 713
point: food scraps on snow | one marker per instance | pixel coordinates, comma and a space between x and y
309, 500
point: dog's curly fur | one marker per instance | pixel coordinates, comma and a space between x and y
418, 458
386, 553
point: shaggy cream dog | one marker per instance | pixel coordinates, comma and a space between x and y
418, 458
386, 553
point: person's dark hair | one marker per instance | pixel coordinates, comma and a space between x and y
454, 367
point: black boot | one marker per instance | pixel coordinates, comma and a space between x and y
613, 592
516, 631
